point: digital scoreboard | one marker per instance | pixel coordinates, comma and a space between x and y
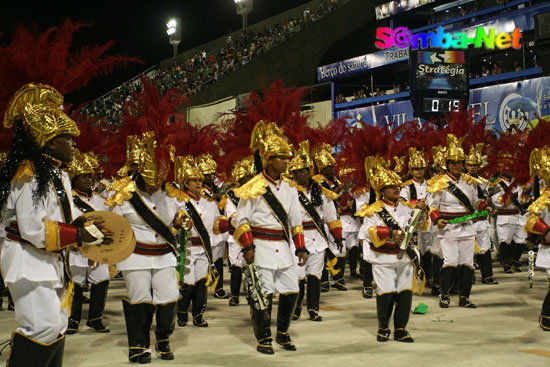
439, 81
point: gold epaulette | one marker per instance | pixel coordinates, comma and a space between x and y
407, 183
483, 180
540, 204
174, 192
25, 171
407, 203
438, 183
253, 188
369, 210
221, 204
470, 180
319, 178
329, 193
123, 189
361, 191
495, 182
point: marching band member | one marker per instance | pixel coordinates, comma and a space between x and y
454, 195
382, 231
83, 170
268, 216
318, 211
38, 212
481, 224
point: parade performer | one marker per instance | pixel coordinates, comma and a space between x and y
268, 216
83, 170
455, 195
38, 213
382, 231
318, 211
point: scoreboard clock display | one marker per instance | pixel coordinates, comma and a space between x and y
439, 81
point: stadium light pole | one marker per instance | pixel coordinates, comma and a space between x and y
243, 8
173, 29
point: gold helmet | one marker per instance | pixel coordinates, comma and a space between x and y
154, 161
417, 159
206, 164
267, 139
301, 159
186, 168
454, 150
133, 155
438, 153
242, 168
474, 156
38, 106
3, 157
379, 175
539, 163
505, 160
322, 155
82, 163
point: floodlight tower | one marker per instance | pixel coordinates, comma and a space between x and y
173, 29
243, 8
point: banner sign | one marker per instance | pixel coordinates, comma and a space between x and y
492, 101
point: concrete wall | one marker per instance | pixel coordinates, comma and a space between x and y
295, 61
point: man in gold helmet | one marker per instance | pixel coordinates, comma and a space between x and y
243, 171
510, 210
83, 171
38, 212
538, 222
454, 195
149, 271
381, 233
481, 224
268, 216
318, 213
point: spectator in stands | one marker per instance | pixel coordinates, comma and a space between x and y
517, 66
340, 98
378, 92
485, 71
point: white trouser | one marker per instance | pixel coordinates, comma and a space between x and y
393, 277
218, 251
314, 265
424, 241
483, 241
94, 276
350, 239
235, 255
198, 268
282, 281
38, 309
511, 232
458, 250
157, 286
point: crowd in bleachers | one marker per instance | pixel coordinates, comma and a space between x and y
206, 68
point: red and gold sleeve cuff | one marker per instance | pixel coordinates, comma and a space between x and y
379, 235
243, 235
434, 214
536, 225
298, 237
481, 205
60, 235
221, 225
335, 228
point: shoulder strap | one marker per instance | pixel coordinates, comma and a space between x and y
62, 198
312, 213
278, 210
461, 197
82, 205
201, 229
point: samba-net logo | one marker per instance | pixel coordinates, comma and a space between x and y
402, 37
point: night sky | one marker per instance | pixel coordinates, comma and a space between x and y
138, 28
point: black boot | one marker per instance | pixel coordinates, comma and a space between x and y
139, 317
401, 316
298, 308
220, 292
446, 275
261, 323
426, 264
517, 251
325, 286
384, 308
287, 303
166, 321
28, 352
353, 256
506, 257
437, 263
465, 286
544, 319
98, 297
186, 295
339, 282
486, 267
367, 279
199, 304
236, 280
313, 297
76, 311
